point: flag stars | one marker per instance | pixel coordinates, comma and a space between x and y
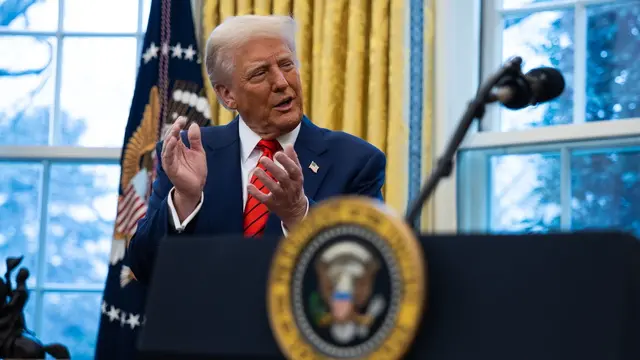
113, 314
118, 315
150, 53
176, 51
133, 321
189, 53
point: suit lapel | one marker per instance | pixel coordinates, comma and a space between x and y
310, 148
223, 191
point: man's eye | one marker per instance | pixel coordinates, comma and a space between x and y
258, 73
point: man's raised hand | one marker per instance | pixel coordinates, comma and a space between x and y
186, 167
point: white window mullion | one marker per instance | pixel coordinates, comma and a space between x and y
595, 130
491, 204
491, 55
42, 246
580, 64
141, 32
73, 288
72, 153
54, 120
549, 6
474, 192
565, 189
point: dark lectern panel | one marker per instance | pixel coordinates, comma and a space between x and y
569, 296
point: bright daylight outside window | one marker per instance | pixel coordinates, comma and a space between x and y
67, 73
573, 163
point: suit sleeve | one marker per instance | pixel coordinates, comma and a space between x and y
369, 181
153, 227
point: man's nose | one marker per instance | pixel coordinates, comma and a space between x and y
280, 83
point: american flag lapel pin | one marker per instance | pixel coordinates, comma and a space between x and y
314, 167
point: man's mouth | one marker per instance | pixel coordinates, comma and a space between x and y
285, 104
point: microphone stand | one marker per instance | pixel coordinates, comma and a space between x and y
444, 165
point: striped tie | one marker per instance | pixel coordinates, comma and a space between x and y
255, 212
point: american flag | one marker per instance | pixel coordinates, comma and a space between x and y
169, 84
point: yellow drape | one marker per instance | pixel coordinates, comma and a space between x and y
352, 69
426, 220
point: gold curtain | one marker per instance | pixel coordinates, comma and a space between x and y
352, 55
426, 220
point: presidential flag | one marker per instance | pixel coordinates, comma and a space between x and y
169, 84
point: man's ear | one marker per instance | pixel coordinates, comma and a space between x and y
225, 95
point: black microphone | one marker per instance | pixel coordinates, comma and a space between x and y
519, 91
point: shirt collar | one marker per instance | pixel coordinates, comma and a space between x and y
249, 139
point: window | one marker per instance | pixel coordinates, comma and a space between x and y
67, 77
572, 163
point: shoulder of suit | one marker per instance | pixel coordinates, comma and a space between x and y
344, 139
216, 133
348, 143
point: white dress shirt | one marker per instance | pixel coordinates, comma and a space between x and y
249, 156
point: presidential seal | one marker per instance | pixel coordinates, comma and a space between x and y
348, 283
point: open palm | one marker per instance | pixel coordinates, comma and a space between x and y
186, 167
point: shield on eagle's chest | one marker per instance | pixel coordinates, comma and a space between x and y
341, 306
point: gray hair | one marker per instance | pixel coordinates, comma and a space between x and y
235, 31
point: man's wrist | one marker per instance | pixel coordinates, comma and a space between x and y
185, 204
300, 215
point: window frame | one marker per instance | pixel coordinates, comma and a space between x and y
60, 34
47, 155
473, 202
492, 32
456, 75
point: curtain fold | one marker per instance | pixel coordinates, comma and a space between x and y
352, 56
427, 218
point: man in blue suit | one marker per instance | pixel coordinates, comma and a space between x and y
260, 173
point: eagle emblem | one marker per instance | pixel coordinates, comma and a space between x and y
137, 170
346, 274
347, 283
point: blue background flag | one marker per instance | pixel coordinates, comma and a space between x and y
169, 84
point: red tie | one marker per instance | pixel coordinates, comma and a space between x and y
255, 212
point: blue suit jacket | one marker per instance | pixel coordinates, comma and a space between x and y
347, 165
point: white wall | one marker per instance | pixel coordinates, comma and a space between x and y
457, 72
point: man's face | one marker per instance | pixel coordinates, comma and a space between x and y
265, 87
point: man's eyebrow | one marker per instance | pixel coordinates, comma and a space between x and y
257, 65
285, 57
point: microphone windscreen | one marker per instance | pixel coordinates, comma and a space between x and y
547, 83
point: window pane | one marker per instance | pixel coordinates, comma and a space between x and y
98, 77
26, 89
613, 70
20, 186
30, 15
525, 193
82, 209
146, 9
99, 16
541, 39
72, 320
605, 191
